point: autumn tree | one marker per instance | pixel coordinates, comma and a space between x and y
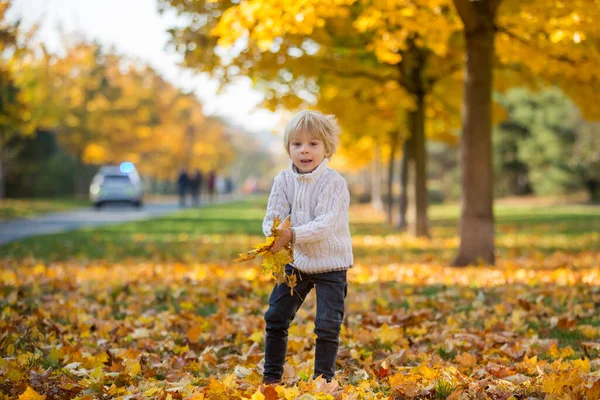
106, 108
294, 49
554, 41
82, 89
15, 107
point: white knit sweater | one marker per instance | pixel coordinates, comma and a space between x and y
318, 203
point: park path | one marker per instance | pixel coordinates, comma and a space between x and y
71, 220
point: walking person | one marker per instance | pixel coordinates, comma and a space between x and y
183, 182
196, 187
211, 185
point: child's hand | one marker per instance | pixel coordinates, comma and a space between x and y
283, 240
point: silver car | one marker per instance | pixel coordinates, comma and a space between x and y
117, 183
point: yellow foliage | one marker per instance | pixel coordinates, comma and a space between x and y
274, 262
31, 394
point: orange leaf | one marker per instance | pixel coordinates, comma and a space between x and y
270, 393
194, 333
466, 360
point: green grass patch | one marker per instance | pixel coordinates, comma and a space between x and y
571, 337
217, 233
443, 389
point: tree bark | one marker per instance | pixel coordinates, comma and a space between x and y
80, 187
390, 181
2, 180
593, 188
403, 224
419, 157
376, 181
477, 218
413, 79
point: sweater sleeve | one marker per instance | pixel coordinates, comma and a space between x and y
332, 203
278, 205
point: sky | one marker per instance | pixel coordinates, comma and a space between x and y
137, 30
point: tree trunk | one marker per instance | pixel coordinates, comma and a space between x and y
80, 187
419, 157
477, 217
414, 81
376, 182
593, 188
2, 181
404, 183
390, 181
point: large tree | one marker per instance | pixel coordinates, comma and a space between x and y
295, 49
552, 40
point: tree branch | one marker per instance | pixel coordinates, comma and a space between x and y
357, 74
531, 45
450, 108
451, 70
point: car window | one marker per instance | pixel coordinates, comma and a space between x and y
116, 178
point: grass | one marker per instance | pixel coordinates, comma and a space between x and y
188, 234
27, 208
217, 233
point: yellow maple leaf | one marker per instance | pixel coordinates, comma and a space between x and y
258, 395
288, 393
266, 245
292, 281
251, 255
274, 262
30, 394
216, 388
389, 335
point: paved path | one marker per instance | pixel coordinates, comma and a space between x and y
67, 221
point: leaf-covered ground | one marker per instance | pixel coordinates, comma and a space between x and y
160, 328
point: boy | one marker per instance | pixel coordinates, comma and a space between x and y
317, 199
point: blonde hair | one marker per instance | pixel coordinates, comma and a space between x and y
321, 126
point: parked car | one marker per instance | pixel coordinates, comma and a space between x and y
117, 184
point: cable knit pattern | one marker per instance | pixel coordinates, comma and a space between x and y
318, 203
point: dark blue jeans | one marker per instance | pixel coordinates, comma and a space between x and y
331, 289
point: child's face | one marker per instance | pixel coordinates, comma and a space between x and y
307, 152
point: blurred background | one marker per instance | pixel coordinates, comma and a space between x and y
192, 96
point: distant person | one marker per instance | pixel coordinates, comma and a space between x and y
183, 182
317, 199
228, 186
211, 185
220, 186
196, 187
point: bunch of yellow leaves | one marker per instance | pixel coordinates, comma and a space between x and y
274, 262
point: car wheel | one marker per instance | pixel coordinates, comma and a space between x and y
138, 204
98, 205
